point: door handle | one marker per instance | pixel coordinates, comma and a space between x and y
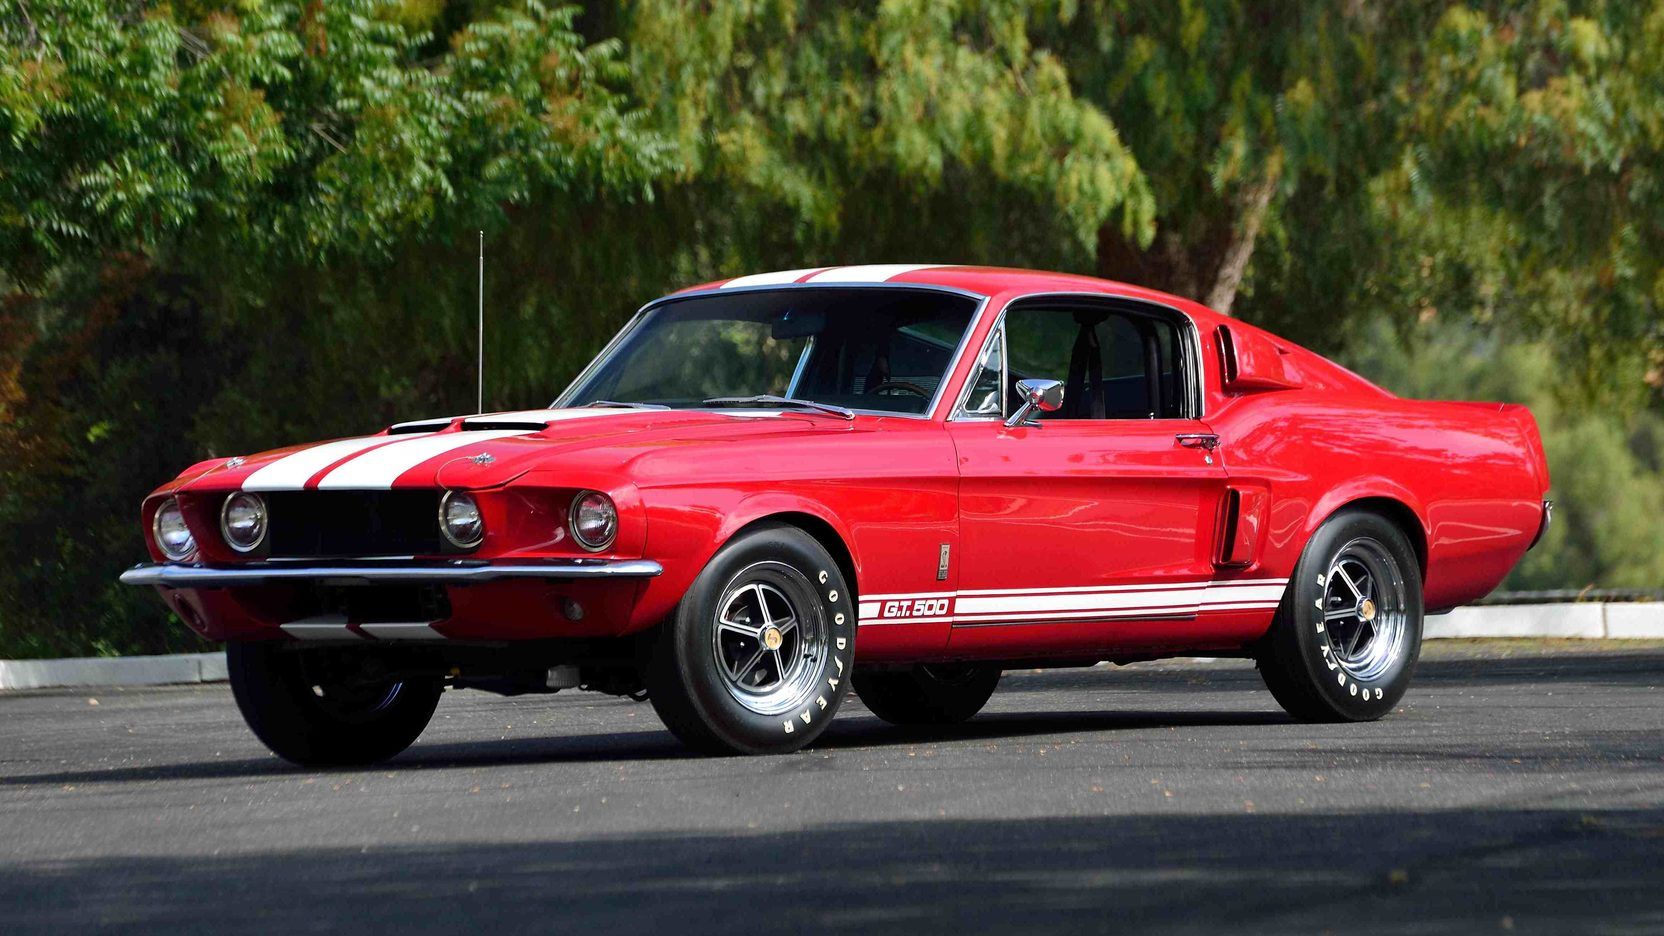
1201, 440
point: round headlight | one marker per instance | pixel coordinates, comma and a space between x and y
460, 520
173, 537
243, 521
594, 520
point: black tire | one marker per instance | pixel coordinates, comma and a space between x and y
353, 722
691, 678
1335, 671
944, 694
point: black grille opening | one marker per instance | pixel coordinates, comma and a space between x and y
324, 524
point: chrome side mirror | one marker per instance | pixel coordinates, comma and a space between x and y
1045, 396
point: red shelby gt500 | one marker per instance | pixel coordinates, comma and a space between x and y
768, 490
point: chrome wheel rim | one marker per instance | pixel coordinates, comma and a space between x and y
768, 638
1363, 605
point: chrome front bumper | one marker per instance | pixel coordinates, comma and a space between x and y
456, 572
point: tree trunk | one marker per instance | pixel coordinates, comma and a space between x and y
1254, 201
1203, 258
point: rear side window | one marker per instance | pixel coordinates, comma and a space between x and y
1114, 363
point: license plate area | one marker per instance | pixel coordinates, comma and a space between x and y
372, 604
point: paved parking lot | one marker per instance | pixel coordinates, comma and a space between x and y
1520, 789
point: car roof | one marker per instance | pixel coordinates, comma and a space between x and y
979, 280
1008, 283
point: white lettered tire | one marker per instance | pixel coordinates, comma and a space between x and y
756, 659
1346, 638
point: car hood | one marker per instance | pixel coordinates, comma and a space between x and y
490, 449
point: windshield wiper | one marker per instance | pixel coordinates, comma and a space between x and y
769, 399
614, 404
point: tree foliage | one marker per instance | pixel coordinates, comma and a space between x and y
232, 224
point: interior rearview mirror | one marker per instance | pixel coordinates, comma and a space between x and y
1045, 396
798, 323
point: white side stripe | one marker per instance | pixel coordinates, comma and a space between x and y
377, 470
872, 273
1182, 598
777, 278
1157, 586
291, 472
988, 605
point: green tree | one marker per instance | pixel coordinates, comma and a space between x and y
200, 208
232, 224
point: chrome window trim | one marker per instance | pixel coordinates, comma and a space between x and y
564, 400
1194, 380
959, 413
802, 365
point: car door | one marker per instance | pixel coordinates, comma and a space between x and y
1094, 526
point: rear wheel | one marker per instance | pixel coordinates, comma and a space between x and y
1345, 640
757, 656
326, 706
943, 694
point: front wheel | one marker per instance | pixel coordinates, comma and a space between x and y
757, 658
327, 706
942, 694
1345, 640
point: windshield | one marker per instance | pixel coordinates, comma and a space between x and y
885, 350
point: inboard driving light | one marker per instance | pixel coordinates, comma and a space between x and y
594, 520
460, 520
243, 521
173, 537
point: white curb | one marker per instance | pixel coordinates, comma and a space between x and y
1542, 620
113, 671
1592, 620
1587, 620
1633, 621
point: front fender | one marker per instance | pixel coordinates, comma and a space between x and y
687, 526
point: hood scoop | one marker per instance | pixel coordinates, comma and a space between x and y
512, 425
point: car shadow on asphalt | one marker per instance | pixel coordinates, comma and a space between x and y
1428, 872
852, 730
856, 729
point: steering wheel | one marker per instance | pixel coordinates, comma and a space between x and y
903, 385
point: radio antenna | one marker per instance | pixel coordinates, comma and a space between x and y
480, 391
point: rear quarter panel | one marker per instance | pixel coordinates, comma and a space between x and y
1468, 472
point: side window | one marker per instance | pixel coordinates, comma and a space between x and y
1114, 364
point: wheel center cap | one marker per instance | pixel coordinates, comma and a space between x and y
772, 639
1366, 610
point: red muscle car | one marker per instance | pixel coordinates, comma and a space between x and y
768, 490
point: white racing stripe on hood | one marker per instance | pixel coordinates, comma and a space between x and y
291, 472
378, 469
872, 273
777, 278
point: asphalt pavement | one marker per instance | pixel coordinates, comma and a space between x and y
1519, 789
